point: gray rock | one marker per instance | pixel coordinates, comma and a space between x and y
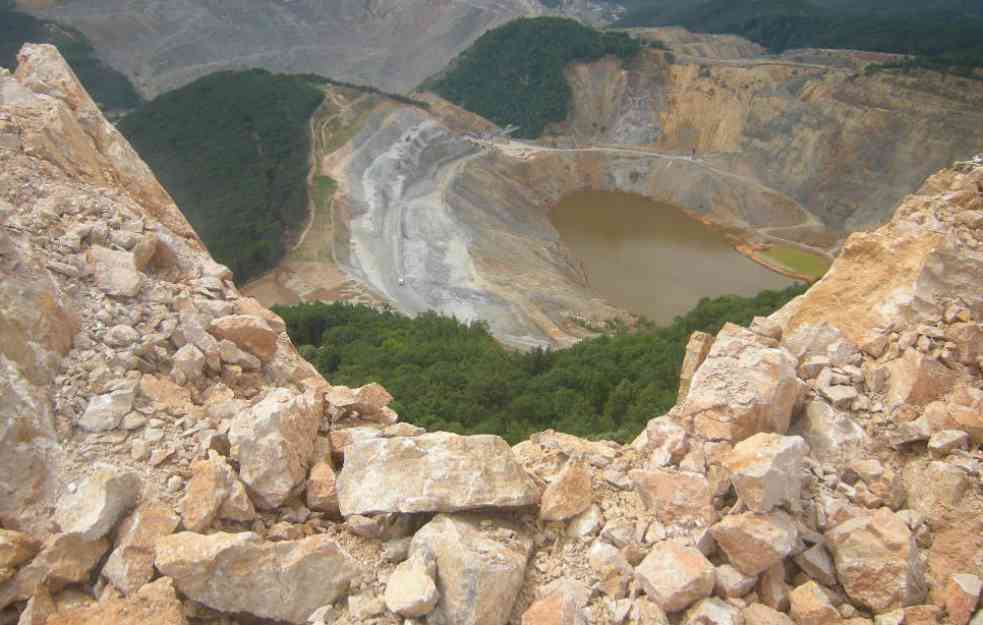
102, 499
105, 412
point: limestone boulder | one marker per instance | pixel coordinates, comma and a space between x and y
713, 611
753, 542
437, 472
917, 379
104, 412
249, 332
115, 271
742, 388
877, 561
98, 503
935, 488
664, 441
189, 364
732, 583
766, 470
675, 577
811, 605
675, 496
16, 548
154, 604
697, 349
568, 495
411, 590
831, 434
561, 602
214, 492
481, 564
64, 559
817, 564
131, 563
274, 444
322, 489
282, 581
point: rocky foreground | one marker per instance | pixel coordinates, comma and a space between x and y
166, 457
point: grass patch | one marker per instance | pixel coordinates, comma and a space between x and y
798, 260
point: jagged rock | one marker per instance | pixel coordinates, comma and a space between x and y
98, 503
742, 388
697, 349
832, 435
481, 564
675, 577
283, 581
64, 559
322, 489
810, 605
557, 608
817, 564
105, 412
675, 495
274, 443
587, 523
250, 333
665, 441
772, 589
131, 564
115, 271
568, 495
766, 470
753, 541
759, 614
39, 607
154, 604
437, 472
877, 561
214, 492
371, 402
962, 594
411, 591
713, 611
733, 583
942, 443
189, 363
917, 379
120, 336
364, 606
15, 549
935, 487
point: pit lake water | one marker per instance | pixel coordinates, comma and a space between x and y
650, 258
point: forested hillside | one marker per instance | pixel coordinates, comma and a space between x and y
232, 148
109, 88
448, 375
514, 74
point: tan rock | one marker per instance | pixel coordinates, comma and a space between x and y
16, 548
131, 564
284, 581
411, 591
154, 604
675, 577
713, 611
481, 565
831, 435
877, 561
437, 472
817, 564
64, 559
554, 609
810, 605
274, 443
772, 588
753, 542
742, 388
249, 332
922, 615
568, 495
665, 442
962, 595
99, 502
917, 379
936, 487
322, 489
733, 583
759, 614
214, 492
697, 349
675, 496
39, 607
115, 271
766, 470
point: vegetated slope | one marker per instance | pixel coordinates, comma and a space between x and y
232, 148
109, 88
448, 375
514, 74
945, 33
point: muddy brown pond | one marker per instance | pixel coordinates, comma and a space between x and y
650, 258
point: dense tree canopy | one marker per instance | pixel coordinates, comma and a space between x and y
448, 375
514, 74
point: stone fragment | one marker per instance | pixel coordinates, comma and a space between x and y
665, 441
917, 379
284, 581
16, 548
481, 565
817, 564
697, 349
115, 271
586, 524
733, 583
766, 470
214, 492
759, 614
274, 443
675, 577
250, 333
675, 496
943, 443
39, 607
753, 541
877, 561
568, 495
189, 364
935, 487
713, 611
154, 604
411, 591
93, 510
322, 489
64, 559
364, 606
120, 336
131, 564
105, 412
810, 605
437, 472
772, 589
742, 388
961, 596
831, 435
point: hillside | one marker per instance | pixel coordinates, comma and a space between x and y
233, 149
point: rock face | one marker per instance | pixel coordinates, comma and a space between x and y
481, 563
283, 581
432, 473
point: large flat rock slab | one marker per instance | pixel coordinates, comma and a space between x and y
437, 472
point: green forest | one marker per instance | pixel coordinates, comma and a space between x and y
232, 148
454, 376
943, 34
108, 87
514, 74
